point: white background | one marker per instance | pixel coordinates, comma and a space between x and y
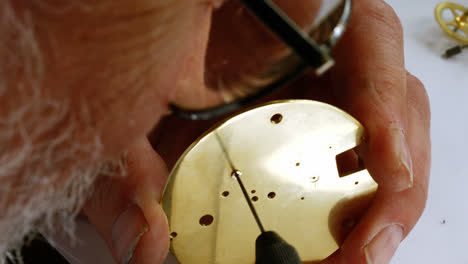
446, 81
441, 235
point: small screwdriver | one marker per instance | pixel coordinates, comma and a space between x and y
270, 248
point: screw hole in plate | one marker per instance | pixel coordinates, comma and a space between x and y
276, 118
206, 220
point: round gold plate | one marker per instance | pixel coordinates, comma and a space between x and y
457, 26
287, 153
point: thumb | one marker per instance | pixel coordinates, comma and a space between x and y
126, 210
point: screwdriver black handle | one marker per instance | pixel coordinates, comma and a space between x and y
270, 248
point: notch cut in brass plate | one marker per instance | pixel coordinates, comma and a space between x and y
453, 19
287, 152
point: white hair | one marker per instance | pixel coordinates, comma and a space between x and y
46, 173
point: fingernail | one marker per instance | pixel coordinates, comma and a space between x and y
127, 231
406, 163
381, 248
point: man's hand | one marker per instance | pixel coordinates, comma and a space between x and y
370, 81
126, 211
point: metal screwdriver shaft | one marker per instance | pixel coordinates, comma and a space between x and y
270, 248
236, 174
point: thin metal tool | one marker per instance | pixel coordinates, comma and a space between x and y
236, 174
270, 248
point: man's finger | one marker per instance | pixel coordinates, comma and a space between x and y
126, 210
393, 214
370, 82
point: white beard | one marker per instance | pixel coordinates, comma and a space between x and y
46, 174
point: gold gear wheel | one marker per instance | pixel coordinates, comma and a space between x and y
457, 25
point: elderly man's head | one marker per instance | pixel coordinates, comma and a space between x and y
81, 81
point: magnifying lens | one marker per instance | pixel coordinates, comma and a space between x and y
257, 46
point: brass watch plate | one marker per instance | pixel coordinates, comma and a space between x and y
287, 153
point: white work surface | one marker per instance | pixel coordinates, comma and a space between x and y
441, 235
